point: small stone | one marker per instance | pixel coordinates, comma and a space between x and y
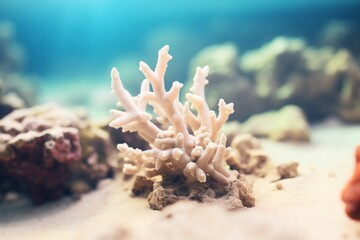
279, 186
79, 187
331, 174
288, 170
11, 197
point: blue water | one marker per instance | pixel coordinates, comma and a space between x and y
80, 40
91, 33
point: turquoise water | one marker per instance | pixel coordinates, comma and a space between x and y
75, 43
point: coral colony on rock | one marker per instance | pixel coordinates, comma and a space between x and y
49, 151
187, 155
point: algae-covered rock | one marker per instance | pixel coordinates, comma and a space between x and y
288, 123
288, 71
347, 70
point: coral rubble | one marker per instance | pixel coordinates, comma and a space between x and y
248, 156
351, 192
48, 150
186, 146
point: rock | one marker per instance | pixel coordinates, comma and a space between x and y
279, 186
79, 187
286, 124
344, 66
288, 170
52, 151
38, 153
234, 196
287, 71
11, 197
142, 186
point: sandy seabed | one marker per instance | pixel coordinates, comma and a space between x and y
309, 205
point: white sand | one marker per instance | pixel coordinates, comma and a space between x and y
311, 201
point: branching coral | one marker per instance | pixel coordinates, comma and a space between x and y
188, 142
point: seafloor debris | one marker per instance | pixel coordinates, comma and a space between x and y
351, 192
248, 156
187, 146
288, 170
48, 150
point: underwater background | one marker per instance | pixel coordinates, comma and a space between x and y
66, 49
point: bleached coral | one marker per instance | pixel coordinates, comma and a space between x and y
186, 142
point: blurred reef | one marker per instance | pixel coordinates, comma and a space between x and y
322, 81
17, 90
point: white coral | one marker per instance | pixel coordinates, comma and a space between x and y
189, 142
